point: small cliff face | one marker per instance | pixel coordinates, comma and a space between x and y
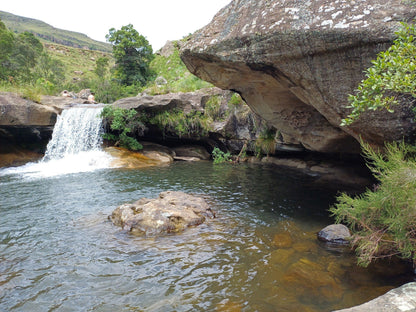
295, 62
23, 121
26, 126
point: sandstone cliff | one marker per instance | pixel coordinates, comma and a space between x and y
295, 62
26, 126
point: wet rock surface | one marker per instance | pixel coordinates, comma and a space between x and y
335, 234
171, 212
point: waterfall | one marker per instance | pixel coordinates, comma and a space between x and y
76, 130
75, 146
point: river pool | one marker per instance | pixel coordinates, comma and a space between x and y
59, 252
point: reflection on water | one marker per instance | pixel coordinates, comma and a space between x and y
59, 252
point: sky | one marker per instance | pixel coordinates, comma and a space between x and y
157, 20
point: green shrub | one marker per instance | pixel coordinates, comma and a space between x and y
179, 123
266, 142
30, 93
219, 156
235, 101
383, 220
392, 74
124, 124
213, 108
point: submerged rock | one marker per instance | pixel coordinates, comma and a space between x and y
311, 279
335, 233
169, 213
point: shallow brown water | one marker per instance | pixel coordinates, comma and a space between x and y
58, 252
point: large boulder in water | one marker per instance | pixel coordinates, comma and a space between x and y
169, 213
295, 62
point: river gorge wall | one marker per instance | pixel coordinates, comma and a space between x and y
295, 62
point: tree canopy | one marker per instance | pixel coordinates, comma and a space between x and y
132, 53
18, 54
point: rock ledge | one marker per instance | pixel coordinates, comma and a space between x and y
396, 300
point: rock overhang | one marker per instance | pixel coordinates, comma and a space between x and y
302, 58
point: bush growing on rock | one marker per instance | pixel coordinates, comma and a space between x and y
383, 220
181, 124
220, 157
124, 123
392, 75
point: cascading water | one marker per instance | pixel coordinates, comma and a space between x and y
76, 130
75, 145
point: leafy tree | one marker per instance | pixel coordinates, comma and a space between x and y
132, 53
101, 67
27, 49
6, 48
18, 54
392, 75
50, 69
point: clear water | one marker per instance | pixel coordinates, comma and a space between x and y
59, 252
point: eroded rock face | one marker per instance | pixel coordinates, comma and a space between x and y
170, 212
295, 62
235, 128
23, 122
16, 111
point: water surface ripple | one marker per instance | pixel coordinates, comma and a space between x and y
58, 251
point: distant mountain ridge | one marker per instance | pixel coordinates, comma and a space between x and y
48, 33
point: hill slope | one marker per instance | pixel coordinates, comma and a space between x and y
50, 34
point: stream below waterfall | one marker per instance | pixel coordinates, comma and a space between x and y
59, 252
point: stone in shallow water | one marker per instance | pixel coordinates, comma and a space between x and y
282, 240
312, 280
335, 233
170, 212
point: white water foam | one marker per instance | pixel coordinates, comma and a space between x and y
75, 146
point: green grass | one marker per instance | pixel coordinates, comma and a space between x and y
179, 79
76, 60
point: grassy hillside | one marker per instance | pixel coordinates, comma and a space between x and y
78, 55
169, 67
49, 34
79, 63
